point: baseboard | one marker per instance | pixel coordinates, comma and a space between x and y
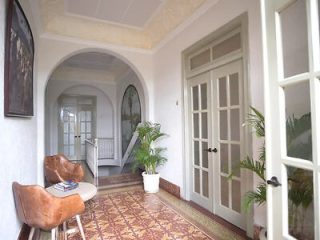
170, 187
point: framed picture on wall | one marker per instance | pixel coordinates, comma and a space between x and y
19, 56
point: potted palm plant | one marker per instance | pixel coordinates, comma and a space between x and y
148, 155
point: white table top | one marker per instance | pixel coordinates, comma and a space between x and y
85, 190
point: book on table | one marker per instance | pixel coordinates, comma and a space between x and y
66, 185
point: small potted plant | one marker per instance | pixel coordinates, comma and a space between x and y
148, 155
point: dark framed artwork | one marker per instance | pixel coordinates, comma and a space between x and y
130, 115
19, 56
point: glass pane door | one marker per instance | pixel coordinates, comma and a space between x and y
292, 117
201, 171
69, 118
229, 141
77, 123
85, 130
299, 147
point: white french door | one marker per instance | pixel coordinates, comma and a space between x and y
200, 142
217, 141
292, 117
228, 140
77, 123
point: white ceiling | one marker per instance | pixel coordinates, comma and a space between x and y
104, 63
132, 13
93, 60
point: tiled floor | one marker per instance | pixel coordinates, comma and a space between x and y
129, 213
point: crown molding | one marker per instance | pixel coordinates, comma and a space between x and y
93, 44
198, 13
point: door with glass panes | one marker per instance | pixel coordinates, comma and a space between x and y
201, 171
292, 117
217, 141
227, 106
77, 123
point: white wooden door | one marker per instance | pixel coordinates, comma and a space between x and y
68, 139
217, 141
200, 142
292, 117
227, 110
77, 123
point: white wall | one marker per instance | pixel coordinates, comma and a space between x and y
17, 148
168, 97
106, 97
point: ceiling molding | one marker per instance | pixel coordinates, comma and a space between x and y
200, 11
83, 82
93, 44
172, 14
82, 75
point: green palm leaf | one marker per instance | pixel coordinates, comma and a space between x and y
147, 155
259, 196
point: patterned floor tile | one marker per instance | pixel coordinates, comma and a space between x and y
131, 214
134, 215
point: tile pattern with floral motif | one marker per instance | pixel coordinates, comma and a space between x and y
134, 215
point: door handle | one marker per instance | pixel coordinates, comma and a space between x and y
211, 150
274, 182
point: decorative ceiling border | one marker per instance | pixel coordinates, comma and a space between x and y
168, 18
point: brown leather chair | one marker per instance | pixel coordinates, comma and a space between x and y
58, 168
39, 209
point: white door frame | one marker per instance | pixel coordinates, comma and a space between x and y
241, 21
274, 81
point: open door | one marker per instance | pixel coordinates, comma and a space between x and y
292, 117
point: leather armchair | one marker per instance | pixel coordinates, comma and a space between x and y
58, 168
39, 209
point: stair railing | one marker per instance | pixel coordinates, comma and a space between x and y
92, 156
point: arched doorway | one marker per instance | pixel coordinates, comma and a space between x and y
102, 78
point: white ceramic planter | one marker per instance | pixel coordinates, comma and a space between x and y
151, 182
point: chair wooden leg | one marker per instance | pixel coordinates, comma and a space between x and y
64, 230
54, 233
31, 233
80, 227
